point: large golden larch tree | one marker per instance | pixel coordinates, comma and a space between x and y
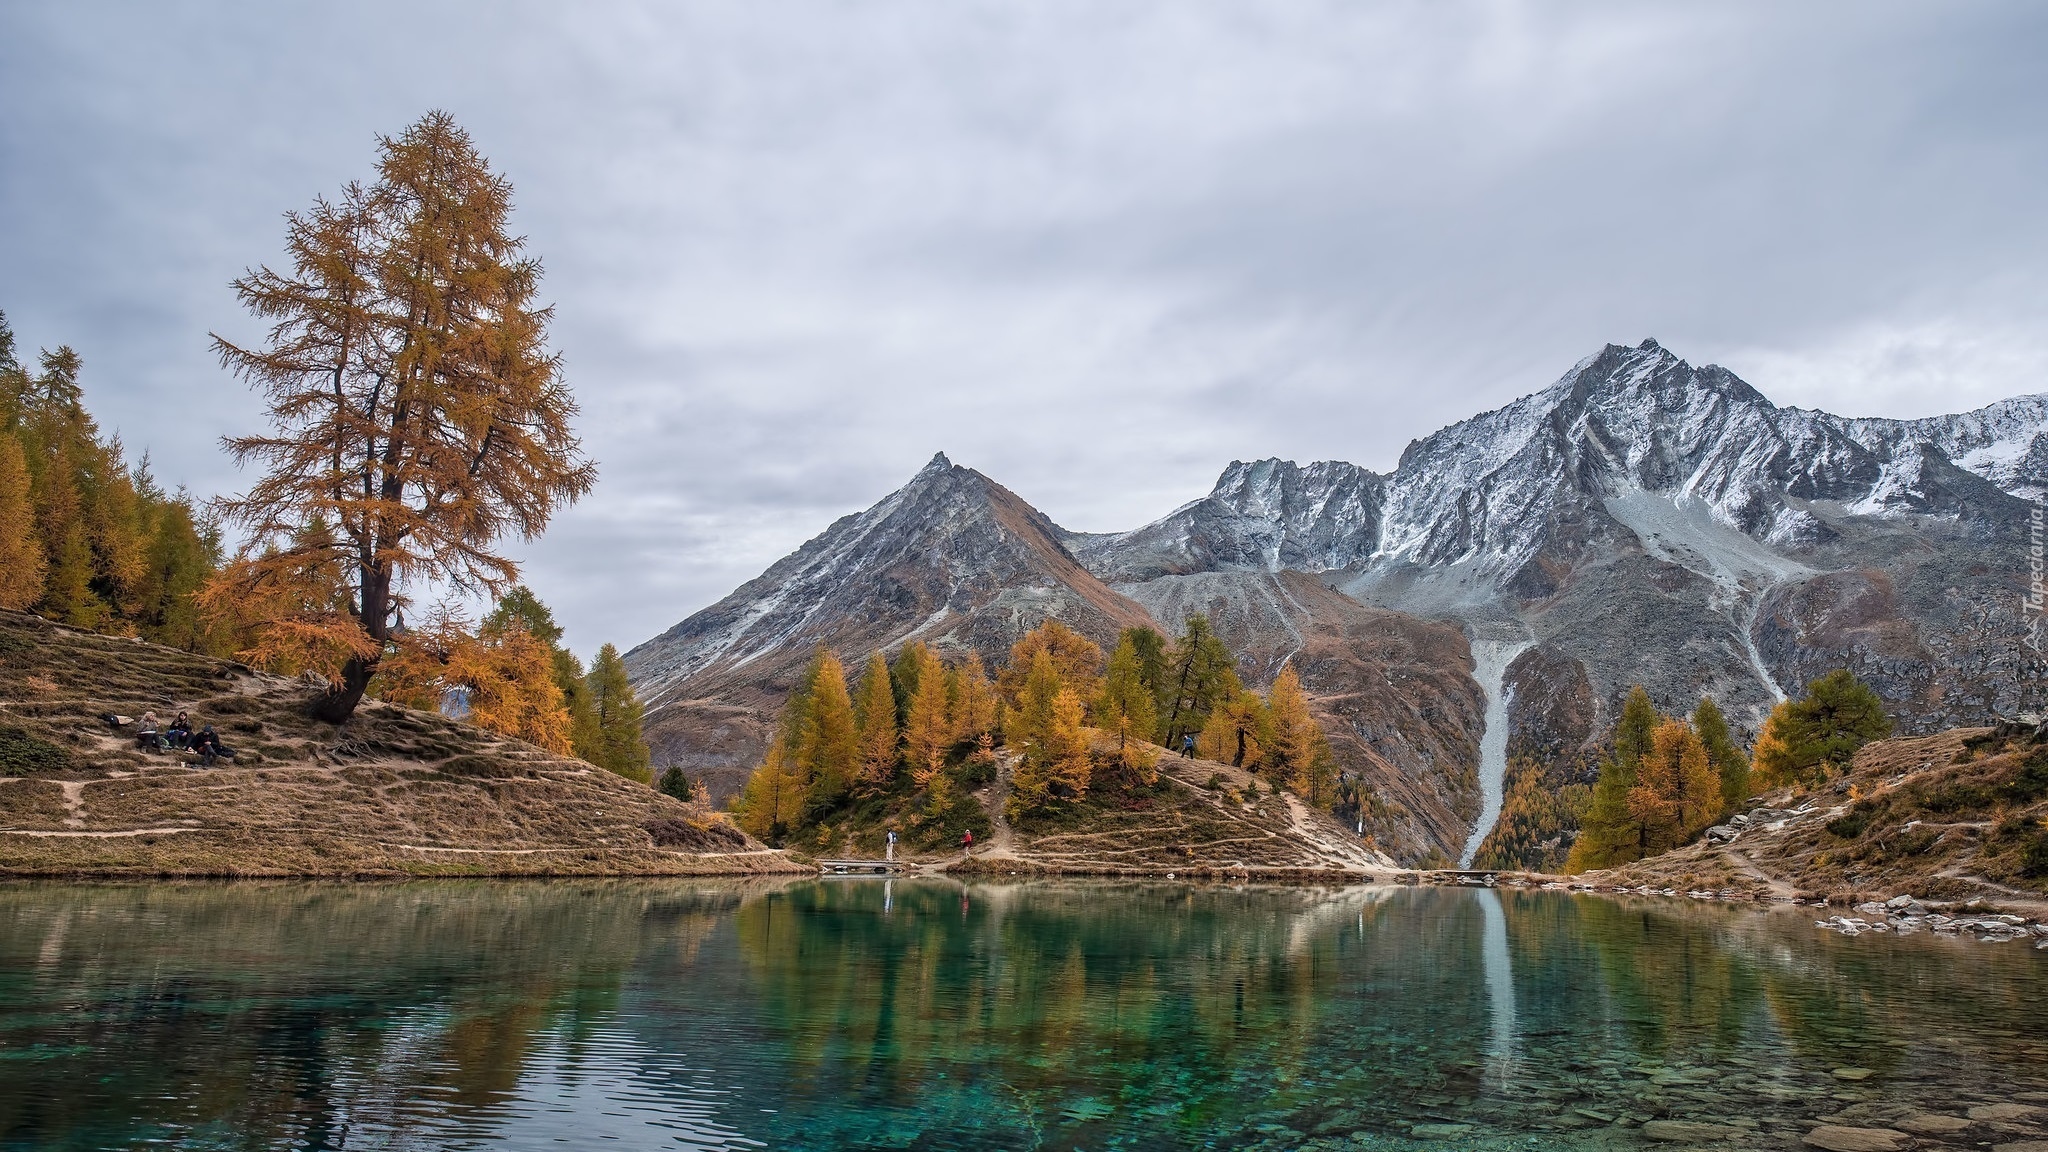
417, 413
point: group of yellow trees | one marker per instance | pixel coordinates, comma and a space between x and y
903, 721
85, 538
516, 678
417, 418
1666, 780
1075, 722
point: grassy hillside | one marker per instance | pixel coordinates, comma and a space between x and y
391, 792
1201, 818
1955, 816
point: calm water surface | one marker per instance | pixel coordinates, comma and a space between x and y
924, 1014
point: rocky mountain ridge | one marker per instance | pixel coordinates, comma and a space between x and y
951, 558
1640, 520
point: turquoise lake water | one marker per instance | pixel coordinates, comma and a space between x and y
926, 1014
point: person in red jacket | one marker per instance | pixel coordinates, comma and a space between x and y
967, 842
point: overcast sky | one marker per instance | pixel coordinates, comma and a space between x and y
1095, 250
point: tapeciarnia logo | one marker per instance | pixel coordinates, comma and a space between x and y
2036, 600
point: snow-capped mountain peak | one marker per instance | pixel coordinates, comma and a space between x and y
1490, 492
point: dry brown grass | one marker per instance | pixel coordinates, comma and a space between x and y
390, 792
1182, 826
1961, 815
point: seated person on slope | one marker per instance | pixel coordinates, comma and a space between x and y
209, 747
148, 735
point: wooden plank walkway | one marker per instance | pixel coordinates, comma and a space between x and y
863, 865
1474, 876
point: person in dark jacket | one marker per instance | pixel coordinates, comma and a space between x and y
209, 747
179, 734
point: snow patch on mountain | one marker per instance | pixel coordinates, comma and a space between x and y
1681, 529
2005, 443
1704, 469
1262, 516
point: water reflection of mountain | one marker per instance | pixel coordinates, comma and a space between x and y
865, 1014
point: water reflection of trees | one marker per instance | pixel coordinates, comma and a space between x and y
1703, 982
1164, 1014
289, 1014
1071, 1006
866, 1013
1666, 977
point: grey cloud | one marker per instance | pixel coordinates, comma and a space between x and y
1094, 250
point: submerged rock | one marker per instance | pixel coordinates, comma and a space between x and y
1933, 1124
1688, 1131
1839, 1138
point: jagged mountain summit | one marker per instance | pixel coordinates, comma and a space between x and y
959, 562
1267, 516
951, 558
1491, 491
1660, 523
1641, 520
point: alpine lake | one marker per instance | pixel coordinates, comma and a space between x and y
871, 1014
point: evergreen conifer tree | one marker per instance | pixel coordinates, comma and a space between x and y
674, 782
1807, 740
1610, 834
181, 556
1150, 648
1200, 672
1034, 700
1722, 751
904, 674
621, 748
